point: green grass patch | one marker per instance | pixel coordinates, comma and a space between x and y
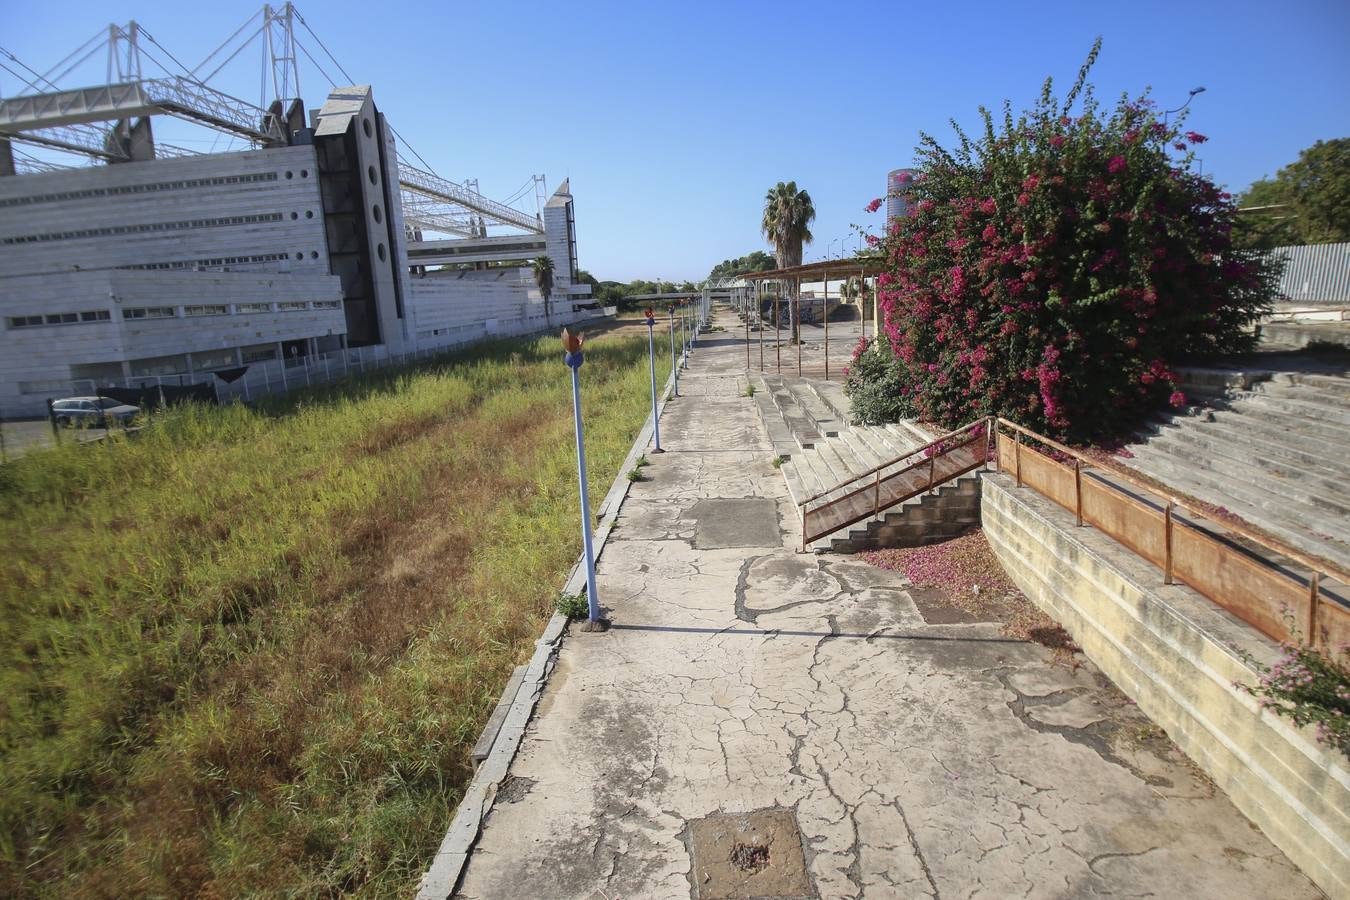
248, 651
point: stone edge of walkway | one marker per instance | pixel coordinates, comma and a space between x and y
448, 864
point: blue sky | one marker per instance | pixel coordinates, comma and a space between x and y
673, 119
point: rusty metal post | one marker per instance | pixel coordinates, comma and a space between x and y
876, 495
745, 311
1078, 491
803, 527
759, 322
991, 447
1167, 543
778, 331
797, 320
1314, 585
826, 314
1017, 458
932, 461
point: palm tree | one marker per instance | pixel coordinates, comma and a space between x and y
543, 277
788, 213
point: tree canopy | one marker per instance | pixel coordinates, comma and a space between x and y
754, 261
1308, 200
788, 213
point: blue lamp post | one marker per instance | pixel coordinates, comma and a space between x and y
573, 359
651, 363
674, 367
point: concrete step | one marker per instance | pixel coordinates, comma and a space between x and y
826, 422
1262, 499
1319, 534
1245, 458
1305, 491
779, 434
832, 393
1332, 421
1263, 436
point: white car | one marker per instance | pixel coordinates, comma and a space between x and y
93, 412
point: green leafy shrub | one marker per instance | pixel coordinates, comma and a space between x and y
1311, 688
1055, 269
574, 606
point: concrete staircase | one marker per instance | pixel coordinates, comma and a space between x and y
1271, 447
807, 422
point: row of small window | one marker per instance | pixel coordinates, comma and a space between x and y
140, 229
184, 184
170, 312
213, 262
89, 315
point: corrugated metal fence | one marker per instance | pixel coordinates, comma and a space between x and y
1316, 273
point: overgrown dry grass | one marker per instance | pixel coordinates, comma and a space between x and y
248, 652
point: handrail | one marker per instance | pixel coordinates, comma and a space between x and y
902, 457
1191, 505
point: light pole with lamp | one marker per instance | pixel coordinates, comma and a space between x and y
573, 358
1167, 114
651, 362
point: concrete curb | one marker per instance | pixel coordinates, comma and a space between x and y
447, 866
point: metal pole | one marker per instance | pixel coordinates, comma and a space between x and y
746, 313
797, 320
1078, 491
1314, 584
826, 314
651, 364
759, 319
674, 367
573, 359
1167, 543
777, 333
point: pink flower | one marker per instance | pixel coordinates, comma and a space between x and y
905, 178
1058, 141
987, 206
1177, 399
1132, 135
1117, 164
1180, 146
1195, 137
873, 206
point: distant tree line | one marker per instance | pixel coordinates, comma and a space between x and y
755, 261
620, 294
1307, 202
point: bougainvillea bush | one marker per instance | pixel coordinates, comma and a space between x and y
1055, 270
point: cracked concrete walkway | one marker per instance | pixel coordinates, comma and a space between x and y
915, 759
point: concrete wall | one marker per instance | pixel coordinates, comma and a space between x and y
167, 212
37, 362
1177, 655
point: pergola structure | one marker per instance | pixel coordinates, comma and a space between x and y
823, 271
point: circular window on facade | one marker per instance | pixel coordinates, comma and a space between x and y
290, 174
309, 214
365, 126
295, 215
370, 171
299, 256
304, 173
375, 211
314, 254
379, 251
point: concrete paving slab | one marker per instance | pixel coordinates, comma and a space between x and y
916, 757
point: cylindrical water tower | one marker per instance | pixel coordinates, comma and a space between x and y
897, 185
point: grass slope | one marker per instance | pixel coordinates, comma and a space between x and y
249, 651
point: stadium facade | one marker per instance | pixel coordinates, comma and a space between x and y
157, 266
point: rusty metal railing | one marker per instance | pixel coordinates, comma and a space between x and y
1200, 549
876, 490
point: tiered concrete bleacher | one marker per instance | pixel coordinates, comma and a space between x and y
808, 420
1271, 447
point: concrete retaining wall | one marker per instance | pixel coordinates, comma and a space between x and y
1177, 655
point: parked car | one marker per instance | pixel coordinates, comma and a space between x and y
93, 412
